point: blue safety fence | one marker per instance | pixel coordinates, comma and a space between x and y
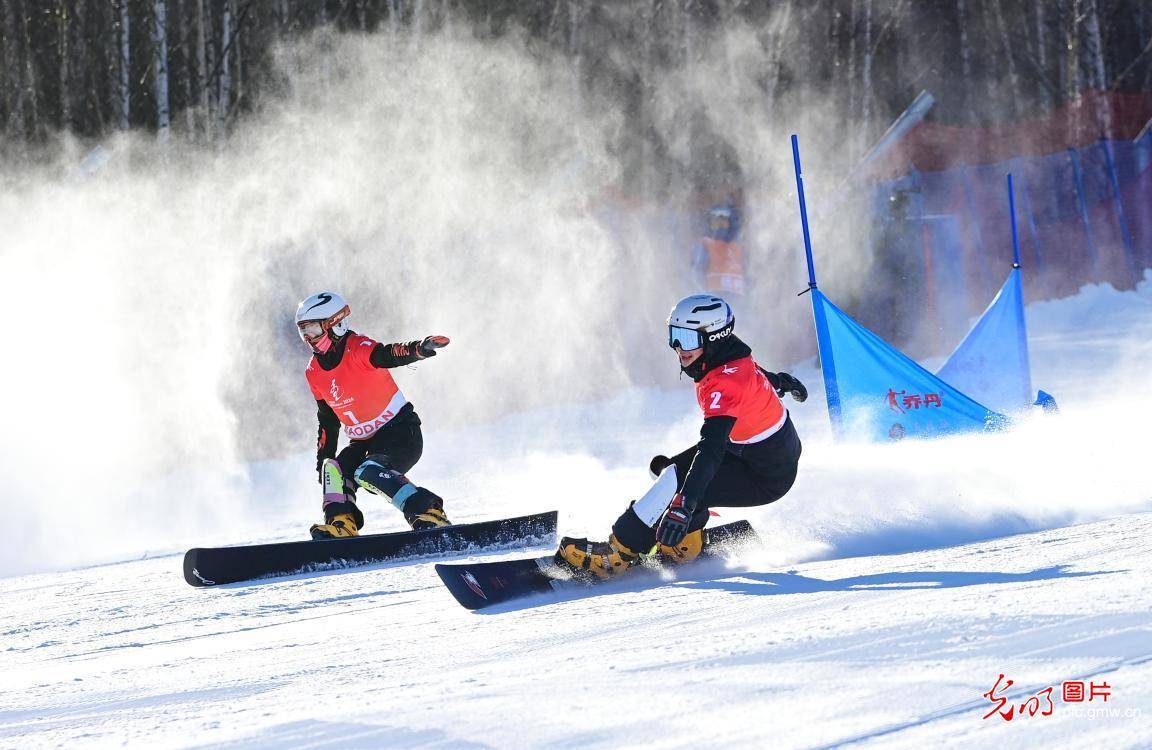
1085, 216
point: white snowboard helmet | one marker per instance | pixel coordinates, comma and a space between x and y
698, 321
320, 320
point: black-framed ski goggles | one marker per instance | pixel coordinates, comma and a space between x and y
686, 339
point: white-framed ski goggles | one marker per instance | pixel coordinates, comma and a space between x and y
687, 339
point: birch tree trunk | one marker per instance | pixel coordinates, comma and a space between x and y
573, 27
13, 80
965, 59
1042, 53
238, 57
203, 61
180, 7
30, 79
1096, 67
224, 95
95, 55
1098, 74
124, 100
1041, 38
574, 51
781, 20
866, 80
689, 41
851, 73
160, 67
63, 21
1009, 58
1072, 46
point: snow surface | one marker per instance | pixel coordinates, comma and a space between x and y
896, 583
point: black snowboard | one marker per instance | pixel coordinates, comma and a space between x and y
479, 585
215, 565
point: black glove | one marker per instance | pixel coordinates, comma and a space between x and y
789, 384
323, 451
658, 464
674, 525
430, 344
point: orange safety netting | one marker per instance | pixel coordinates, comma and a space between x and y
932, 147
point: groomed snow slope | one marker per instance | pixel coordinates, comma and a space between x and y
896, 584
886, 650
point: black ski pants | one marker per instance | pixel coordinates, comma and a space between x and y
750, 475
402, 443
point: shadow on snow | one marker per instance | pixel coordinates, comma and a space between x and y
717, 577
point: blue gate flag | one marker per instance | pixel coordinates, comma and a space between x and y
991, 363
877, 393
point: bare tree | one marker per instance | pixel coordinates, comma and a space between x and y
866, 77
224, 93
124, 59
1098, 76
14, 91
1072, 78
237, 45
63, 19
203, 63
31, 80
965, 55
78, 65
180, 7
1009, 57
160, 66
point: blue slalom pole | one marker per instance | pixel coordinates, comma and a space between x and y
803, 212
1012, 216
820, 318
1022, 343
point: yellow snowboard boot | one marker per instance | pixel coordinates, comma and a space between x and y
340, 526
687, 550
600, 559
430, 519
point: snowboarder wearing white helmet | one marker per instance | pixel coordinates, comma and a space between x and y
348, 375
747, 454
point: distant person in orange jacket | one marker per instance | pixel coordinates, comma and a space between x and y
719, 264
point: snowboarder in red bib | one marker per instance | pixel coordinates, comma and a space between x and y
747, 454
348, 375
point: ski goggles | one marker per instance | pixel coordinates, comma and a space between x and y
686, 339
311, 329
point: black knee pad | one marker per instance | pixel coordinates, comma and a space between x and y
377, 475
